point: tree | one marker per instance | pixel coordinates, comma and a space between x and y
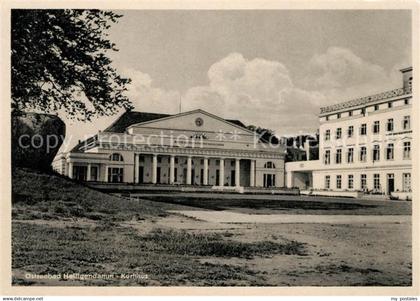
266, 135
59, 62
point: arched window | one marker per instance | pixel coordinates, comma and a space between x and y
269, 164
116, 157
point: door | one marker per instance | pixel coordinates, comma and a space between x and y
158, 175
269, 180
80, 173
193, 176
232, 178
184, 177
390, 177
141, 174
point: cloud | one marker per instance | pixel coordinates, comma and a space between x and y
252, 90
147, 98
262, 92
340, 67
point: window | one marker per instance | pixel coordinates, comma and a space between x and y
350, 182
363, 111
407, 150
327, 135
376, 153
327, 182
269, 164
376, 107
159, 159
363, 129
406, 182
338, 182
350, 155
338, 156
141, 158
376, 127
363, 182
390, 151
116, 157
389, 105
350, 131
80, 173
363, 154
406, 101
176, 160
338, 133
406, 123
338, 116
390, 125
376, 181
350, 113
327, 118
327, 157
94, 173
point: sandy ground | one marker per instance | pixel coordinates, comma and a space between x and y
341, 250
344, 254
234, 217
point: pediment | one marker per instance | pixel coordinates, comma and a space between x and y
197, 120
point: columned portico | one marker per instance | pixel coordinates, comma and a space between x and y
189, 165
172, 169
70, 170
237, 172
229, 162
136, 167
206, 171
252, 173
154, 169
106, 173
222, 172
88, 175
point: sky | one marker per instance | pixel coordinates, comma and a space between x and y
270, 68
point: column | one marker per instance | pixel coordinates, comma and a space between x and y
172, 170
88, 176
106, 173
70, 171
206, 172
189, 161
222, 172
154, 169
252, 174
136, 167
237, 172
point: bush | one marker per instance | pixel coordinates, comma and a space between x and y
184, 243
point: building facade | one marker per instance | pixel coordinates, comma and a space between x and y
365, 145
190, 148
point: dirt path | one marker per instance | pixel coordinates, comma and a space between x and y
234, 217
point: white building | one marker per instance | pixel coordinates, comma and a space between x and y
365, 145
191, 148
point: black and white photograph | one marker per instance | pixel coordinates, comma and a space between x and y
211, 147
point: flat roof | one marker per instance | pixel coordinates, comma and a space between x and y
365, 100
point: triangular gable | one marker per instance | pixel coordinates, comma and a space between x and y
197, 120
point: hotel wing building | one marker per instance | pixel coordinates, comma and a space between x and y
365, 146
190, 148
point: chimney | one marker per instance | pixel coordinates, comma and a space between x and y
407, 74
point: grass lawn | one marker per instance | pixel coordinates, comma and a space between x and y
61, 227
283, 204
